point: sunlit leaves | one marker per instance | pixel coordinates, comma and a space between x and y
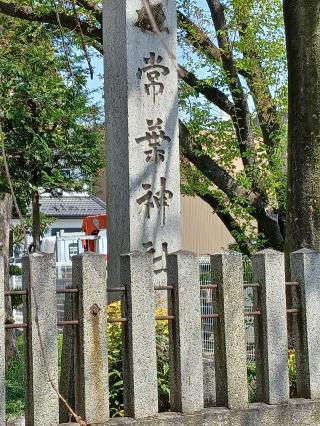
256, 34
50, 126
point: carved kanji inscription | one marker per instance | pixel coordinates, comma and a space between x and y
154, 73
160, 199
154, 138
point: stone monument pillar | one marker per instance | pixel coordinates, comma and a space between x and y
141, 98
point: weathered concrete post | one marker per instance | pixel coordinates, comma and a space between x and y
140, 359
141, 96
209, 381
186, 366
271, 335
305, 269
91, 356
2, 348
229, 330
39, 279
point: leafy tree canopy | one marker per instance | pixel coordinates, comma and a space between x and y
52, 130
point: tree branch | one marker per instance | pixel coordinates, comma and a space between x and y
211, 93
24, 12
195, 35
245, 138
265, 107
93, 8
198, 38
67, 21
263, 212
266, 110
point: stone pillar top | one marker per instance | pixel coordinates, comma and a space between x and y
141, 99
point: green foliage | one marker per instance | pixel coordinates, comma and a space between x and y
60, 342
256, 37
256, 31
292, 373
15, 380
16, 299
115, 362
15, 386
51, 127
251, 375
15, 270
162, 342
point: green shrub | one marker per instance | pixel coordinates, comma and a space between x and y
15, 386
251, 374
15, 381
292, 373
15, 270
16, 299
115, 362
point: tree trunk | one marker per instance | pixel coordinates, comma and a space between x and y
5, 217
36, 233
302, 25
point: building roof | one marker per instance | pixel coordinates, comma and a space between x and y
72, 206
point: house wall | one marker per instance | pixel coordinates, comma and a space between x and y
202, 230
59, 223
64, 223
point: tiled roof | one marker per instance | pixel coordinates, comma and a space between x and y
72, 206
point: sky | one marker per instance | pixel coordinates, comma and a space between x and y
97, 63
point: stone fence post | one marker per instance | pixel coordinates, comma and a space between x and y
271, 337
140, 359
186, 366
305, 269
229, 330
41, 362
91, 354
2, 348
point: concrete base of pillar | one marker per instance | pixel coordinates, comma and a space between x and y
209, 381
300, 412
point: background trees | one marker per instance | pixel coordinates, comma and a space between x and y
236, 112
233, 107
51, 129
